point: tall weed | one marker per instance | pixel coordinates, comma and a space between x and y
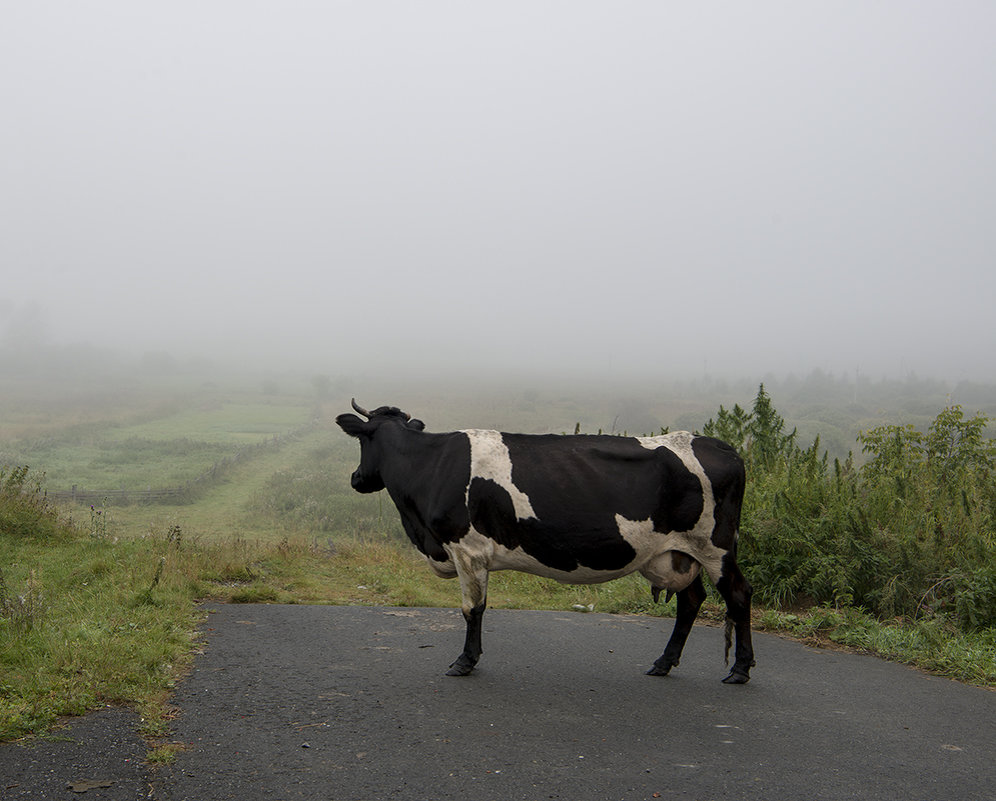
912, 533
24, 510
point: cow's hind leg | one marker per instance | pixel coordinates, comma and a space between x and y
736, 591
474, 587
689, 601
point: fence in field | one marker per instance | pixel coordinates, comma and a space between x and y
120, 497
180, 494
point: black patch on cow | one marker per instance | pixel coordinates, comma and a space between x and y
680, 501
430, 500
575, 477
681, 563
492, 511
595, 543
493, 514
419, 533
725, 470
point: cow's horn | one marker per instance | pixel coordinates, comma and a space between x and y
360, 409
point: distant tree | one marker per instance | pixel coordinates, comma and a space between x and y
729, 426
758, 435
767, 444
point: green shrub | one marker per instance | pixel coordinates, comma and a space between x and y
909, 534
24, 510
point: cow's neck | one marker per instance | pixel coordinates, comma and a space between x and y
409, 453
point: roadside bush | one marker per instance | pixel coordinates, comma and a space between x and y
909, 534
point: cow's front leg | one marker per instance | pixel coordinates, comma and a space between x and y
689, 602
474, 587
465, 663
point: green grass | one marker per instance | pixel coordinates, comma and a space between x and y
299, 489
102, 629
230, 423
166, 446
930, 644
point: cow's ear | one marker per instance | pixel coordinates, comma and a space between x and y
352, 424
418, 425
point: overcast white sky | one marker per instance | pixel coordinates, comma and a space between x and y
599, 186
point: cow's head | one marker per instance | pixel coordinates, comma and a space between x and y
374, 449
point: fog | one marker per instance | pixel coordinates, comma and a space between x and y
589, 188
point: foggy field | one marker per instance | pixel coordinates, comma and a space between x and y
264, 460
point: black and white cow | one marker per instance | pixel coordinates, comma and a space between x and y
581, 509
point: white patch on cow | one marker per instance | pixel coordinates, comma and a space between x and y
651, 545
446, 570
517, 559
471, 557
489, 459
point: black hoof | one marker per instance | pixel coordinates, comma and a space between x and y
736, 677
660, 670
462, 667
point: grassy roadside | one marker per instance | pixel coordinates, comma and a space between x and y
95, 621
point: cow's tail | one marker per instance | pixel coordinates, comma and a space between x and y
729, 620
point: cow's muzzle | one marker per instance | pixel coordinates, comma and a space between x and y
362, 483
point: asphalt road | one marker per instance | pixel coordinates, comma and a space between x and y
351, 704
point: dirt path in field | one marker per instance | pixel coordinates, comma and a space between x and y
350, 703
